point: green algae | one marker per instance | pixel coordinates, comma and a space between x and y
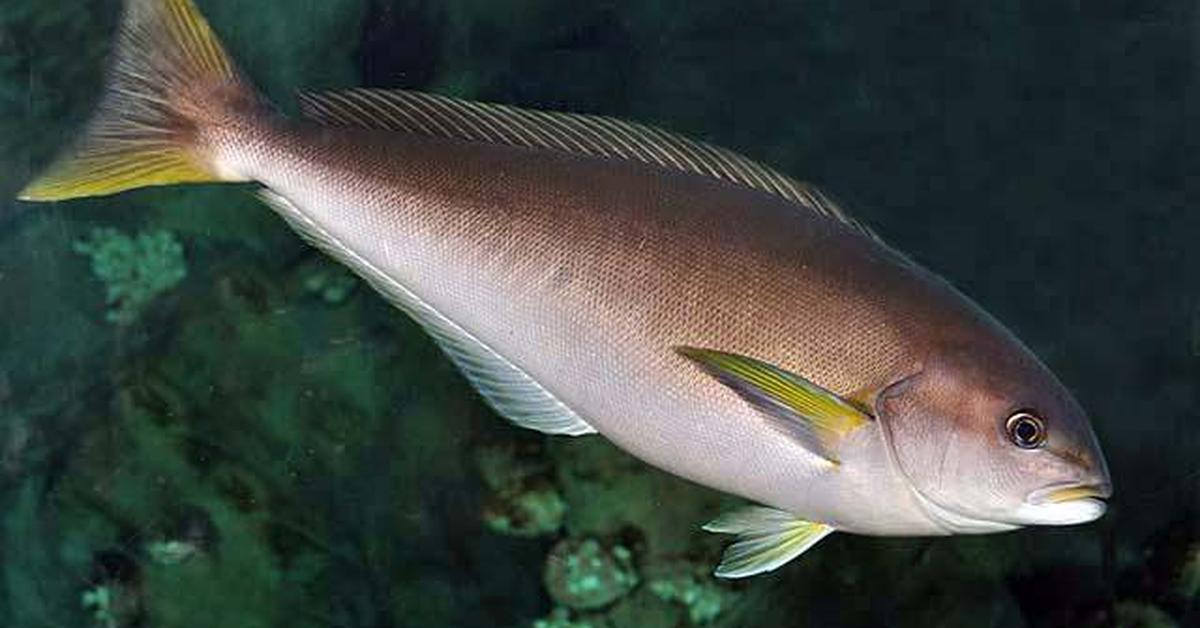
134, 269
586, 574
1130, 614
102, 603
524, 500
703, 598
331, 284
1188, 584
561, 618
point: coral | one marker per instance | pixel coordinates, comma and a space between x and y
1131, 614
534, 511
584, 574
1188, 583
561, 618
193, 534
703, 598
525, 501
333, 284
98, 600
507, 466
113, 596
134, 270
171, 552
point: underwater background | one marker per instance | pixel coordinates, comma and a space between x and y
203, 422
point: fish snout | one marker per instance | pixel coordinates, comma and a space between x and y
1086, 478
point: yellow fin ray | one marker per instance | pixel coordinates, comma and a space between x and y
168, 72
766, 540
817, 417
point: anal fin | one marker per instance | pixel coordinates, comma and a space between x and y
508, 389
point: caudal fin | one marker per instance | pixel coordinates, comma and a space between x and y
170, 82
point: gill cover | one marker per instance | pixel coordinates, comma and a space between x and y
946, 429
930, 443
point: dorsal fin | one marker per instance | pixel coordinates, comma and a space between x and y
581, 134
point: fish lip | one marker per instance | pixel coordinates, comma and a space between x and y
1067, 492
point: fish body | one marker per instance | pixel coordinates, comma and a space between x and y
704, 313
586, 273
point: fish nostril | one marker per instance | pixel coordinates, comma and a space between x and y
1081, 458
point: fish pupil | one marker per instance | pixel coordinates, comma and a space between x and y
1026, 430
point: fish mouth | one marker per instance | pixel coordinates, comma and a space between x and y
1072, 492
1065, 504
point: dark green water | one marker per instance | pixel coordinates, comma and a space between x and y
246, 437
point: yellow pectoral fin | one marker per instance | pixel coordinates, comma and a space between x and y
817, 417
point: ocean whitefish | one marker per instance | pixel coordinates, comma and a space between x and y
705, 313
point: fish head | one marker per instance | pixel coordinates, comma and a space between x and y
991, 441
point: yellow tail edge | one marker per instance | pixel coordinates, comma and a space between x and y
167, 67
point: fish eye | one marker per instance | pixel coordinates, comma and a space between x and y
1026, 430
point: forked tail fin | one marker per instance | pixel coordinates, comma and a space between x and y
169, 84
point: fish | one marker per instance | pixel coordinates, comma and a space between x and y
706, 313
